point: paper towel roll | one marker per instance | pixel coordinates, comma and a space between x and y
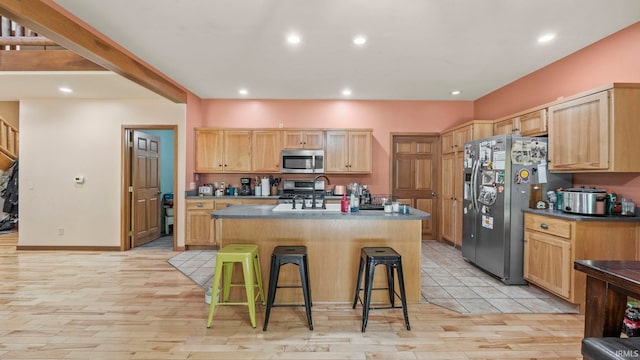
265, 187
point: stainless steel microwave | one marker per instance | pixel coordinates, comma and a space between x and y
302, 161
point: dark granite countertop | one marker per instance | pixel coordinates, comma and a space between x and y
231, 197
576, 217
266, 212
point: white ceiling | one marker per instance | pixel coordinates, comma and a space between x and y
416, 49
20, 85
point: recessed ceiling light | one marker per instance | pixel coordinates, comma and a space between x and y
456, 92
359, 39
294, 39
243, 92
546, 38
346, 92
65, 89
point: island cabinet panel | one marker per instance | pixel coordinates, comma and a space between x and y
333, 248
593, 132
552, 244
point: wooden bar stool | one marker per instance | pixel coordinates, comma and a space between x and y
282, 255
370, 257
247, 255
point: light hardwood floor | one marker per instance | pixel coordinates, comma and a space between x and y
134, 305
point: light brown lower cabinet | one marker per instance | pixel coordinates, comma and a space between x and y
552, 244
198, 224
200, 229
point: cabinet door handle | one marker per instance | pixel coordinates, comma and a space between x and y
199, 205
544, 226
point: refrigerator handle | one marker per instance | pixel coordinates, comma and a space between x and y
474, 186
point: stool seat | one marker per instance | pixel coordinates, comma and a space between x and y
370, 257
247, 255
283, 255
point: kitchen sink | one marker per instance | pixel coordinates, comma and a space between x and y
308, 209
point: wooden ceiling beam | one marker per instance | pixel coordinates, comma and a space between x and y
26, 41
54, 25
41, 60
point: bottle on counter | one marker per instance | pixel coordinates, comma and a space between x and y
355, 202
559, 199
611, 201
344, 203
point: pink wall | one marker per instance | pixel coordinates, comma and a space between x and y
613, 59
383, 117
194, 119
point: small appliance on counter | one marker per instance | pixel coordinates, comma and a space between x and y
584, 201
245, 187
205, 190
340, 190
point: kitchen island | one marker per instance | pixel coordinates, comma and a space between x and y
333, 240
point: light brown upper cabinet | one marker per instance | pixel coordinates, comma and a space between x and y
453, 139
266, 146
303, 139
222, 150
506, 127
533, 123
348, 151
595, 131
530, 124
208, 150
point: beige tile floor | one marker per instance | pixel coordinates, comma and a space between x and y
447, 280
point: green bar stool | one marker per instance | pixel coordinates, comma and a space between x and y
246, 254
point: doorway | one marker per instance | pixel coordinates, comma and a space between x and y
149, 178
414, 175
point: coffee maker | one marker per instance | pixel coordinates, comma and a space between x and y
245, 188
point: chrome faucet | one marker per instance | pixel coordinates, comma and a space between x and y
313, 193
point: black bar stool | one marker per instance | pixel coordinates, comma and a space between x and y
282, 255
371, 257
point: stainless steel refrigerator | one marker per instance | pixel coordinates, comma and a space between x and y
498, 174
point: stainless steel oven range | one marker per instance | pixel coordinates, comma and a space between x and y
302, 190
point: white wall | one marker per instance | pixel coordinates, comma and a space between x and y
60, 139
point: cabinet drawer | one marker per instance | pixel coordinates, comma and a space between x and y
548, 225
199, 204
